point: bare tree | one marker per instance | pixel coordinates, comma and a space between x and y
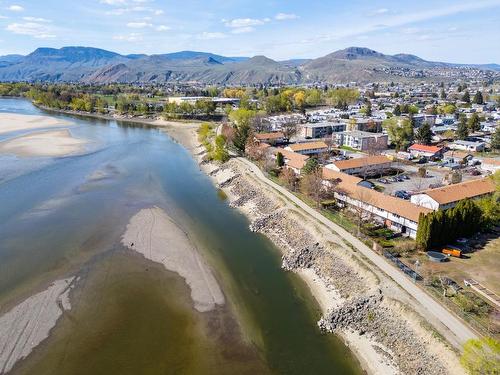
289, 129
288, 177
260, 123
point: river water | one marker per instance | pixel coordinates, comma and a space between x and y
129, 315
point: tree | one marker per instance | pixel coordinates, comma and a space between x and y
289, 179
367, 110
400, 132
397, 110
312, 185
280, 160
242, 119
311, 166
220, 153
289, 129
424, 134
442, 94
495, 139
462, 129
466, 96
474, 123
478, 98
481, 356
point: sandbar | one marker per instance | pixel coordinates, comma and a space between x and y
152, 233
53, 143
26, 325
11, 122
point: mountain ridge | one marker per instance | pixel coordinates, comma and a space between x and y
95, 65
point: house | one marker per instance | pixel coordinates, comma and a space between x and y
360, 140
456, 156
447, 197
467, 146
308, 148
272, 138
293, 160
321, 129
417, 150
490, 165
397, 214
367, 165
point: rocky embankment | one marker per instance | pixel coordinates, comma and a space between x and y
386, 335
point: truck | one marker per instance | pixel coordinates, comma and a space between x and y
452, 251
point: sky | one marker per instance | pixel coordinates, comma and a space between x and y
461, 31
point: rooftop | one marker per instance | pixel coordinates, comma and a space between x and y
425, 148
271, 135
308, 146
362, 162
463, 190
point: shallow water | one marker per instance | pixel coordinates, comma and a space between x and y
65, 216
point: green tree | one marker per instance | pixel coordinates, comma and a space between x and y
442, 94
462, 128
495, 139
474, 123
481, 356
397, 110
280, 160
220, 153
466, 96
242, 119
311, 166
424, 134
478, 98
400, 132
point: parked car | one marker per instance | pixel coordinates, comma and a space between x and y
402, 194
383, 180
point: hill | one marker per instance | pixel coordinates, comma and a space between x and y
93, 65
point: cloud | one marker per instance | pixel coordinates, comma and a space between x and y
158, 12
139, 25
209, 36
16, 8
33, 29
243, 30
162, 28
245, 22
378, 12
286, 16
138, 9
132, 37
113, 2
36, 19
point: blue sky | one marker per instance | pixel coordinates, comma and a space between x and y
464, 31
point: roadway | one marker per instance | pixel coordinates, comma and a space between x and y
459, 329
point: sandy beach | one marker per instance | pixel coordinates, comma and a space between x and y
29, 323
155, 235
11, 122
53, 143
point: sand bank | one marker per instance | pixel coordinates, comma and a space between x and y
54, 143
10, 122
29, 323
155, 235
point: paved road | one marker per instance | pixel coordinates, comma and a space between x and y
457, 327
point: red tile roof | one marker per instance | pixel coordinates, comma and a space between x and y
425, 148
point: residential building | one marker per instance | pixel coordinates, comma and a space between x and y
368, 165
467, 146
396, 214
418, 150
363, 141
308, 148
447, 197
293, 160
272, 138
321, 129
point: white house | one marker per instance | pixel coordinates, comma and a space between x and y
447, 197
467, 146
308, 148
375, 164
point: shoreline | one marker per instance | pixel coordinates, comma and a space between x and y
337, 278
329, 294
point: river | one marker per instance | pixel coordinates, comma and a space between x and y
129, 315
